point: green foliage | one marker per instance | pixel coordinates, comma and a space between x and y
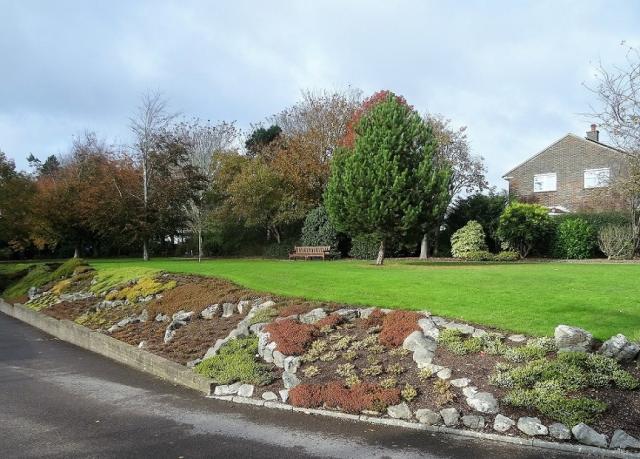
143, 287
260, 138
454, 341
408, 393
545, 384
41, 275
485, 209
390, 183
469, 238
235, 362
264, 315
364, 247
277, 250
479, 255
575, 238
507, 255
318, 230
525, 226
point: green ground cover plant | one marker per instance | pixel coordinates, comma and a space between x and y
236, 361
522, 297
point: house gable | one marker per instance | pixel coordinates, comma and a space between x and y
568, 159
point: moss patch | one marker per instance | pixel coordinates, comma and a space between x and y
236, 361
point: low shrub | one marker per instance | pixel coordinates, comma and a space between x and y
468, 239
264, 315
364, 247
616, 242
396, 326
507, 255
408, 393
143, 287
236, 361
575, 239
479, 255
330, 322
353, 399
454, 341
375, 318
525, 227
291, 337
444, 394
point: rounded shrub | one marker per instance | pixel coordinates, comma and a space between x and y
525, 227
575, 239
318, 230
470, 238
507, 255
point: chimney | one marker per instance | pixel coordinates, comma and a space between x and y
593, 134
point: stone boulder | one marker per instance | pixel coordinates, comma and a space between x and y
622, 440
245, 390
399, 411
428, 417
620, 348
429, 328
313, 316
450, 416
587, 436
269, 396
290, 380
224, 389
473, 421
559, 431
573, 339
532, 426
227, 309
484, 402
502, 423
210, 312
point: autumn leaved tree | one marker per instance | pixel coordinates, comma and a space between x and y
385, 184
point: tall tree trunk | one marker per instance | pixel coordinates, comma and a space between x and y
145, 251
436, 237
424, 247
76, 252
199, 244
145, 191
380, 259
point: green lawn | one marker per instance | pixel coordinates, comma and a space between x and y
528, 297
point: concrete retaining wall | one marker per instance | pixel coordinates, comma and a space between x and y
110, 347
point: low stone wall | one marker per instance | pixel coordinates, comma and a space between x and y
110, 347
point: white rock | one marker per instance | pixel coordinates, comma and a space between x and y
587, 436
399, 411
479, 333
445, 373
572, 339
532, 426
417, 341
245, 390
366, 312
269, 396
210, 312
450, 416
428, 417
284, 395
291, 364
464, 328
429, 328
142, 345
243, 306
182, 316
278, 359
460, 382
622, 440
224, 389
290, 380
559, 431
227, 309
620, 348
484, 402
502, 423
517, 338
473, 421
313, 316
469, 391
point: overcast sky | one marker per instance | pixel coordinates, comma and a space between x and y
512, 71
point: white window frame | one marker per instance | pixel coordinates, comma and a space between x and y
597, 178
548, 182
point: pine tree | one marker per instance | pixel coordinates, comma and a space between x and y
388, 183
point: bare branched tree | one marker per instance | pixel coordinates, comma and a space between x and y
204, 141
150, 121
618, 112
468, 170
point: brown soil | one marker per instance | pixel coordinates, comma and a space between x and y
189, 343
69, 310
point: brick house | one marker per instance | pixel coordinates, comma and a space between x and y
573, 174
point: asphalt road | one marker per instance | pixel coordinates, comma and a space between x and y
57, 400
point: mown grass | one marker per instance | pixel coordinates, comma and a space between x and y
522, 297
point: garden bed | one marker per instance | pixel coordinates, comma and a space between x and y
402, 364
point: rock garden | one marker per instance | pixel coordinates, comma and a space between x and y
381, 363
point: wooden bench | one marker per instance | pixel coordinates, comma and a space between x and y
310, 252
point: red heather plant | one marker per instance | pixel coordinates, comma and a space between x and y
396, 326
360, 397
293, 310
291, 337
332, 321
374, 319
349, 138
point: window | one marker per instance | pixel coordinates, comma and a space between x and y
596, 178
544, 182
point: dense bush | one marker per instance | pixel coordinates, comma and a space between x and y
575, 239
469, 238
396, 326
485, 209
616, 242
291, 336
236, 361
364, 247
525, 226
318, 230
507, 255
276, 250
479, 255
354, 399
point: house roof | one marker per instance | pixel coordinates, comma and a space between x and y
573, 136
